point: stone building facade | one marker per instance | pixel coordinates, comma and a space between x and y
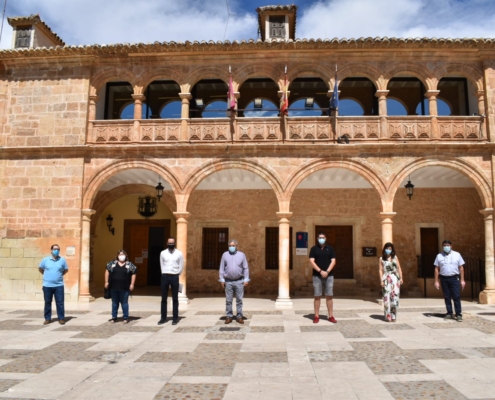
85, 131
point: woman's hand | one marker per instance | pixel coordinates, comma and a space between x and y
106, 285
401, 281
131, 288
383, 284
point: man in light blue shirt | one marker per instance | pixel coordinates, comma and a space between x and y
53, 268
234, 275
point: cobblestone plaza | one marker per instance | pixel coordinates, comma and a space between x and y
276, 354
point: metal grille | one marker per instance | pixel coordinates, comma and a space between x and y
277, 27
23, 37
215, 243
271, 248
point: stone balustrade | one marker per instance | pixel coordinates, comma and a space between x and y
362, 129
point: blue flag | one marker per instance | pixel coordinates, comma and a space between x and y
334, 100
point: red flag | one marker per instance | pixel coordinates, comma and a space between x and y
231, 100
284, 103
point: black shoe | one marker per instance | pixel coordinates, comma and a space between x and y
162, 321
174, 322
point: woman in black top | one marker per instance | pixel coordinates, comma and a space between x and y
120, 277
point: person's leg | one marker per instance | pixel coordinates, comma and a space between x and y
317, 285
174, 284
455, 290
239, 294
229, 294
59, 302
446, 293
124, 300
329, 295
115, 302
165, 284
48, 295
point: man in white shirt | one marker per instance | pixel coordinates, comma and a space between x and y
172, 264
449, 267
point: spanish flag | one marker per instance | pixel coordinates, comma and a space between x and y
284, 101
231, 100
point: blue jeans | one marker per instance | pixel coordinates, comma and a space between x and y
232, 287
48, 293
122, 297
451, 288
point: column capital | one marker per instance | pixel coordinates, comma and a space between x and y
94, 98
185, 96
480, 93
432, 94
487, 212
382, 93
87, 212
388, 215
237, 95
138, 97
181, 215
330, 93
281, 93
283, 215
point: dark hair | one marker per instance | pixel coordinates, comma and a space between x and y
322, 234
446, 241
124, 252
53, 245
392, 255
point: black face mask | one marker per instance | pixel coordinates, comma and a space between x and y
171, 246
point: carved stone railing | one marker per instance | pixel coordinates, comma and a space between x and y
292, 129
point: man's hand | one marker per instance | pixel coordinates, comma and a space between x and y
324, 274
437, 285
463, 284
131, 288
246, 283
223, 284
106, 285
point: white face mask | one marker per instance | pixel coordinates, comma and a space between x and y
122, 258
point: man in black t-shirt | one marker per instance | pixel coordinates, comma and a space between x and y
322, 260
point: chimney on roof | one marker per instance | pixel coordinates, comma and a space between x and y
31, 32
277, 22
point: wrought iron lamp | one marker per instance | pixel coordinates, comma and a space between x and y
159, 190
258, 104
147, 206
343, 139
109, 224
309, 103
409, 188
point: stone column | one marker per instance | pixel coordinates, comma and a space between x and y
284, 250
91, 117
84, 294
138, 115
432, 103
480, 94
184, 125
487, 296
382, 112
387, 231
181, 220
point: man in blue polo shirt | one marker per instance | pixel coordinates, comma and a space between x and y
449, 267
53, 268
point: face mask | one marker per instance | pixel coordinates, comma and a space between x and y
321, 241
171, 246
122, 258
388, 251
56, 252
232, 249
446, 249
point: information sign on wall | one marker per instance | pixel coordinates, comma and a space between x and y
301, 243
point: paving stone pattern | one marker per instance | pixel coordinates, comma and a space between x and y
469, 321
354, 329
41, 314
179, 391
106, 330
438, 390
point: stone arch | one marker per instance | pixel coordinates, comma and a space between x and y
204, 73
99, 178
242, 75
470, 73
415, 70
363, 170
162, 73
102, 202
480, 181
203, 171
314, 70
358, 70
107, 75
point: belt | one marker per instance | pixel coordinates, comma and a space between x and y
170, 274
448, 276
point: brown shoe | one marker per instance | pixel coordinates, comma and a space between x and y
240, 320
228, 320
61, 322
46, 322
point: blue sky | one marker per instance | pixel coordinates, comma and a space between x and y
131, 21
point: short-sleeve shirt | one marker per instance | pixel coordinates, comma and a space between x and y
323, 257
449, 263
53, 275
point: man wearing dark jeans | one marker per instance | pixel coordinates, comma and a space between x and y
172, 264
449, 268
53, 268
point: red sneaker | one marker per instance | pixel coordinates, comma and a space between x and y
332, 320
316, 319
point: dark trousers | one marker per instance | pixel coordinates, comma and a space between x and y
120, 297
169, 280
451, 288
48, 293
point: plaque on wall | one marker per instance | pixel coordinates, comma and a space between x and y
301, 243
369, 251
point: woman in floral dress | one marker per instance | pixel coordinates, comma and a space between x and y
391, 278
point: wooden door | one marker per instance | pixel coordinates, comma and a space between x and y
340, 238
429, 249
136, 244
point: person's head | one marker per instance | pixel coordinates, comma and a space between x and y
322, 238
55, 250
388, 251
233, 245
447, 246
121, 256
171, 243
